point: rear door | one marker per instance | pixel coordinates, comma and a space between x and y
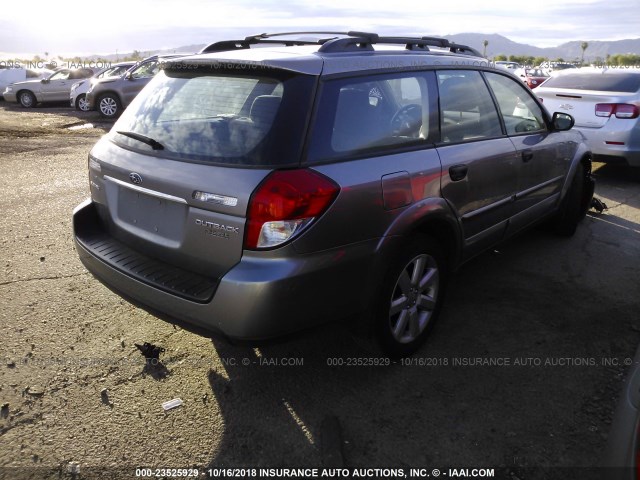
479, 163
542, 156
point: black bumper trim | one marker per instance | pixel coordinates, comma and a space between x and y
93, 237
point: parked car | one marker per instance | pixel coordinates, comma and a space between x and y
622, 455
110, 96
507, 65
606, 108
534, 77
12, 75
78, 97
552, 68
257, 191
54, 88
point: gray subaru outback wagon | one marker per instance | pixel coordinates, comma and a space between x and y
252, 192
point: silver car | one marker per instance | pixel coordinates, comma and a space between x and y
78, 94
252, 192
109, 96
606, 107
54, 88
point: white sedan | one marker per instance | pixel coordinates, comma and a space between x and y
605, 104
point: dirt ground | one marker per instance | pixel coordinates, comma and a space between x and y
521, 373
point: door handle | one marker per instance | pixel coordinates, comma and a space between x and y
527, 155
458, 172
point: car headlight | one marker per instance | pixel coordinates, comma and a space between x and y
9, 90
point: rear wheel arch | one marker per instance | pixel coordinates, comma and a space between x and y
446, 234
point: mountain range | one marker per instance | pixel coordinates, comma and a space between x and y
498, 45
568, 51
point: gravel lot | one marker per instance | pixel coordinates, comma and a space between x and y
522, 372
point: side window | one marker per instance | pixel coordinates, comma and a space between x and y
61, 75
372, 112
520, 112
467, 111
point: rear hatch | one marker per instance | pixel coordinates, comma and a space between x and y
174, 177
578, 94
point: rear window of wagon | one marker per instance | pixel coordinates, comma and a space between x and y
227, 117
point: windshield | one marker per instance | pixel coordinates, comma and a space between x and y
115, 71
600, 82
147, 69
536, 72
220, 118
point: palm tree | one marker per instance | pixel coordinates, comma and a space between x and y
485, 43
583, 46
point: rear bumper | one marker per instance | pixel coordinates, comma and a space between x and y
263, 296
599, 141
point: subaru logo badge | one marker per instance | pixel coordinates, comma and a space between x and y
135, 178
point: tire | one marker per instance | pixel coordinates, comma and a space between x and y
407, 311
576, 203
27, 99
109, 105
81, 103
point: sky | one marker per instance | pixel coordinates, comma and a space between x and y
63, 27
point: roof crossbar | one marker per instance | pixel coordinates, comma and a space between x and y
364, 41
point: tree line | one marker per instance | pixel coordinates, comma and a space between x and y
620, 59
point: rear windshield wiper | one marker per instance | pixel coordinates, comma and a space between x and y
144, 139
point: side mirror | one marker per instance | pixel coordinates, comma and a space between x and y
44, 80
562, 121
127, 76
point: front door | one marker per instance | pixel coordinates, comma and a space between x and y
478, 161
542, 161
57, 88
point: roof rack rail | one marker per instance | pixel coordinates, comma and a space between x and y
347, 42
364, 41
225, 45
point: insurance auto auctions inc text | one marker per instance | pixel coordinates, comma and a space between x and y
352, 473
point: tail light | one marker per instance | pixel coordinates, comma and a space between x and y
284, 204
620, 110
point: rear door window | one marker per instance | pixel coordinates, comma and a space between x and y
381, 112
467, 111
